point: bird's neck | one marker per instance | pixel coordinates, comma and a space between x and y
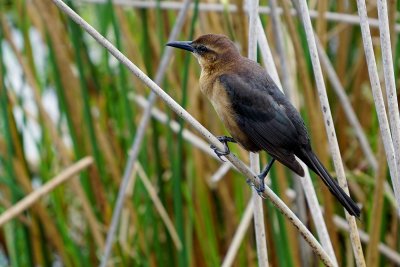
210, 71
209, 75
207, 79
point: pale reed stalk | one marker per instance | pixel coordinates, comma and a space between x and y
330, 129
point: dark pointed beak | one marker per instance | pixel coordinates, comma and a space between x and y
185, 45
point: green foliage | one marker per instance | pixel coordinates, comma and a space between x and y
96, 114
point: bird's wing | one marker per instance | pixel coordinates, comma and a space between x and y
263, 114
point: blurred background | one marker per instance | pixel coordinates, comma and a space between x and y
64, 97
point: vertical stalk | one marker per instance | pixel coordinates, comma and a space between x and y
254, 157
314, 116
391, 93
378, 99
330, 129
305, 182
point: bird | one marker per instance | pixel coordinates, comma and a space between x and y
258, 116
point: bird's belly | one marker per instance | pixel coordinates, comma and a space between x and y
227, 116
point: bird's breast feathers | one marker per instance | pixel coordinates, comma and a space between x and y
222, 104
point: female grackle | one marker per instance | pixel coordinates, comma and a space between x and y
254, 111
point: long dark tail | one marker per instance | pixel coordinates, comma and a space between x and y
311, 160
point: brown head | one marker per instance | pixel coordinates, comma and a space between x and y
211, 50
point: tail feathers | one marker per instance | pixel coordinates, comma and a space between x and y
293, 164
290, 161
314, 164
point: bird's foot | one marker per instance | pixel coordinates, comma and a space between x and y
261, 188
249, 182
220, 153
262, 176
224, 140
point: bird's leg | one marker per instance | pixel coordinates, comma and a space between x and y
224, 140
263, 174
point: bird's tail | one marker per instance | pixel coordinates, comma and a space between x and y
311, 160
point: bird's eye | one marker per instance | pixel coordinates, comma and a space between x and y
201, 49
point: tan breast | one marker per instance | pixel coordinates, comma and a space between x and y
218, 97
222, 105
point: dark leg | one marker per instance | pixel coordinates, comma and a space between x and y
263, 174
224, 140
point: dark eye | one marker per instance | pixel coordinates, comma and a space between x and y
201, 49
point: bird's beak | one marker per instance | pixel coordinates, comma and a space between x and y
185, 45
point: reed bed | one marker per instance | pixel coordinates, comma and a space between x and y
145, 189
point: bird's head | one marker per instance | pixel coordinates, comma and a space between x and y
210, 50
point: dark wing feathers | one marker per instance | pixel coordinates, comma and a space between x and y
261, 114
272, 123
